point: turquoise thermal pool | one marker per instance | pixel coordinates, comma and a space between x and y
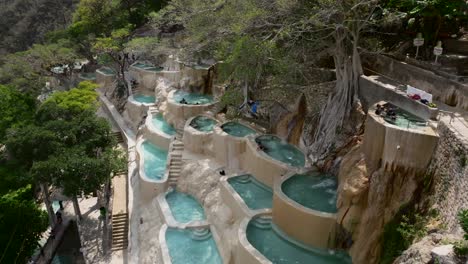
405, 119
144, 99
106, 71
314, 191
160, 124
88, 76
192, 98
203, 123
237, 129
147, 67
280, 249
184, 207
154, 159
254, 193
192, 246
276, 148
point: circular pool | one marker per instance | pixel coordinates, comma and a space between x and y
161, 124
314, 191
147, 67
106, 71
183, 97
277, 247
203, 123
276, 148
144, 99
236, 129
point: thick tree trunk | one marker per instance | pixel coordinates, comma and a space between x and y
76, 206
340, 104
50, 211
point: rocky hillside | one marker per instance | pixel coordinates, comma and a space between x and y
25, 22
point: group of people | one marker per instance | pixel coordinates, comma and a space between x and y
386, 111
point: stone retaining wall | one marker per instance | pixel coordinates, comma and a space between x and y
450, 168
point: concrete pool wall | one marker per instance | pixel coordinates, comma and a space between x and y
155, 135
103, 79
235, 202
175, 72
135, 111
165, 249
265, 168
228, 149
394, 147
196, 141
177, 114
149, 188
245, 253
309, 226
165, 210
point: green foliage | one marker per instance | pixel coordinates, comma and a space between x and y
463, 218
27, 71
68, 145
406, 227
461, 247
21, 225
76, 100
432, 16
16, 109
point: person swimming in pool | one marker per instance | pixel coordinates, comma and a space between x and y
183, 101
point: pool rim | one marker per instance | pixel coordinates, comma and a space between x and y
149, 124
132, 100
192, 129
166, 256
103, 73
266, 154
164, 208
278, 190
170, 99
429, 129
246, 211
254, 252
218, 128
145, 70
141, 168
93, 79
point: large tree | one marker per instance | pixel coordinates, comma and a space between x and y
22, 223
68, 145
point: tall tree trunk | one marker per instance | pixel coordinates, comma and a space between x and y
50, 211
340, 104
76, 206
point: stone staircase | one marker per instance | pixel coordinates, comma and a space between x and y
118, 136
175, 162
119, 231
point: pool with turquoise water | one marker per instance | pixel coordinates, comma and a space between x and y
255, 194
280, 150
154, 160
160, 124
106, 71
236, 129
192, 98
148, 67
188, 246
315, 191
280, 249
88, 76
184, 207
203, 123
144, 99
405, 119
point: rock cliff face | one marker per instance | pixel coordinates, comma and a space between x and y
368, 200
25, 22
